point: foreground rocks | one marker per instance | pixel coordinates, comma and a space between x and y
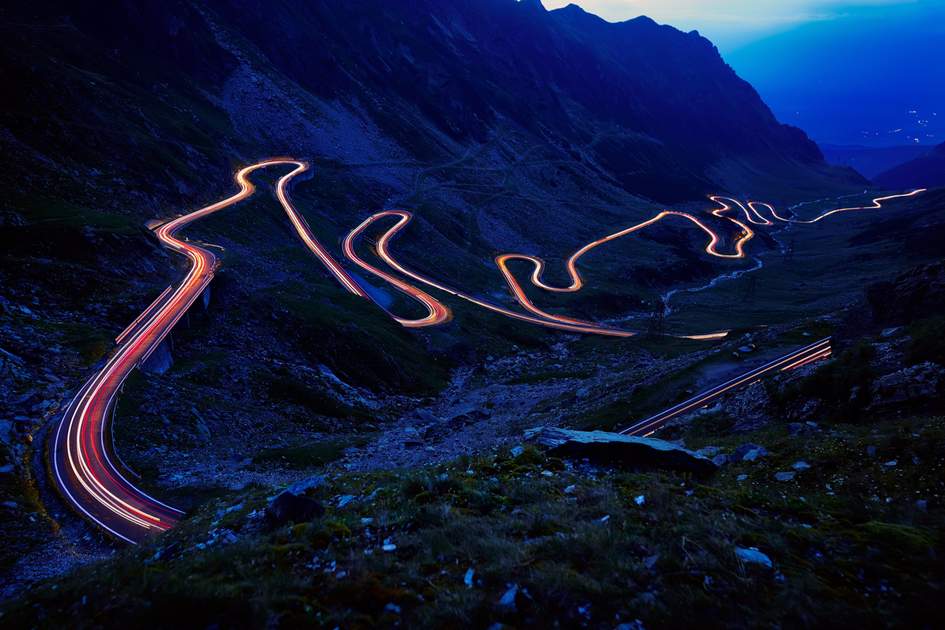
290, 507
620, 450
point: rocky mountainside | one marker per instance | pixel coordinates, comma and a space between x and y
925, 171
503, 127
804, 499
170, 93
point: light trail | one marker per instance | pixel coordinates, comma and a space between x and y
383, 252
131, 327
81, 461
792, 360
82, 467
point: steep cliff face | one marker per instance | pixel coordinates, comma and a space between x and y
650, 109
647, 104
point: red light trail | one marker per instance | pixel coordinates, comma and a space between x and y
82, 462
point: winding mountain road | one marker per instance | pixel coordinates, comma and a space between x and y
83, 460
790, 361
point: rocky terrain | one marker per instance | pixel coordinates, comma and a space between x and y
804, 523
339, 469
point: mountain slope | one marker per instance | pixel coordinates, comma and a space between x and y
646, 106
926, 171
871, 161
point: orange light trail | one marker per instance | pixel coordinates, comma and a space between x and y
795, 359
81, 461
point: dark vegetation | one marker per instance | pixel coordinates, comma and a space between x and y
843, 384
572, 544
503, 127
927, 341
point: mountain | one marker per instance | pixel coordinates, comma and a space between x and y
504, 126
926, 171
328, 466
654, 111
871, 161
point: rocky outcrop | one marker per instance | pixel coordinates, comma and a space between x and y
917, 293
620, 450
913, 385
290, 507
161, 360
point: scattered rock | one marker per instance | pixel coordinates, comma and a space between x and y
749, 452
751, 555
914, 294
802, 428
303, 486
621, 450
425, 415
507, 600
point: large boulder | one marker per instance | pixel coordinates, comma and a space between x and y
620, 450
290, 507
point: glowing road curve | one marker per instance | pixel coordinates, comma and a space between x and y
83, 461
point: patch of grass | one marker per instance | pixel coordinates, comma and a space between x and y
537, 378
303, 456
843, 384
572, 539
928, 341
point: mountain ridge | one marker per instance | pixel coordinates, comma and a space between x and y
925, 171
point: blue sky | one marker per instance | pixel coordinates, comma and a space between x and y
728, 23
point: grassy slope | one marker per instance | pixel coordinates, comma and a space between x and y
848, 543
831, 263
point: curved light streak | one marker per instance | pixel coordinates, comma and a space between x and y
82, 466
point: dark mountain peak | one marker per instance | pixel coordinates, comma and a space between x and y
534, 5
669, 114
641, 21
